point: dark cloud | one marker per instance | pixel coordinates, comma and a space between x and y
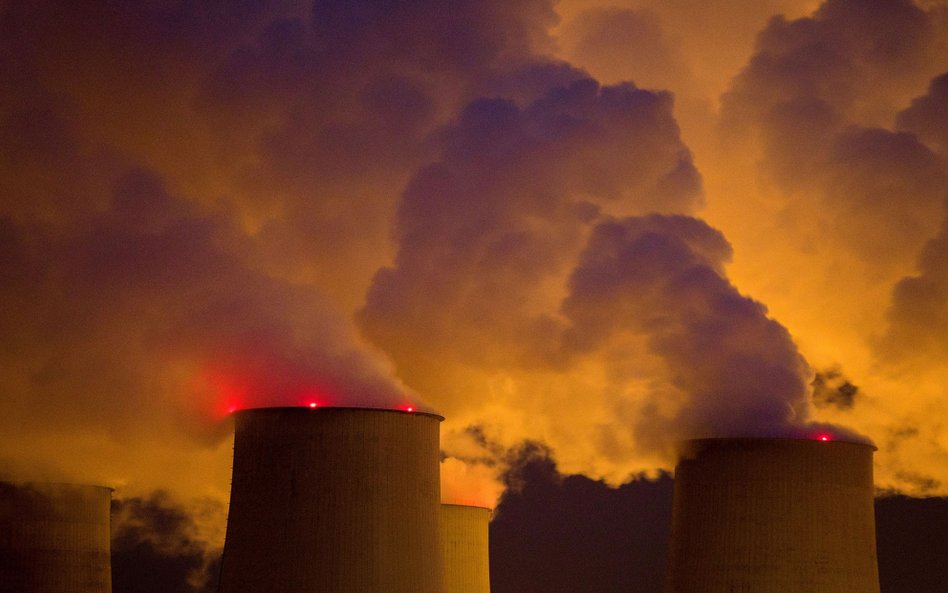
832, 388
542, 530
631, 527
927, 116
156, 548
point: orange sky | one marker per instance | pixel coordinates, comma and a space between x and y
413, 205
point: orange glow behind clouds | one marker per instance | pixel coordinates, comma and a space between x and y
189, 226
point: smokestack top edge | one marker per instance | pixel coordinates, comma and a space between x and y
467, 506
834, 441
36, 484
329, 409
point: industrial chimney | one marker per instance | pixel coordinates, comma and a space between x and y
54, 538
773, 516
333, 500
464, 548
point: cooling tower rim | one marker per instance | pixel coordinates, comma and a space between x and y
330, 409
35, 483
467, 506
815, 442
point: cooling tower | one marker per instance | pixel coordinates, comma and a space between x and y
54, 538
333, 500
773, 516
464, 548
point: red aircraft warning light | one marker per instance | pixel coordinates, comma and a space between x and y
312, 404
824, 437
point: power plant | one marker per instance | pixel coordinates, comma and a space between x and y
347, 500
464, 548
334, 500
55, 538
762, 515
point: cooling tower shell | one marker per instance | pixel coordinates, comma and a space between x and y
464, 548
773, 516
54, 538
334, 500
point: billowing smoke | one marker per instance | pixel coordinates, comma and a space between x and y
158, 547
206, 207
192, 201
523, 291
487, 234
832, 115
832, 388
726, 368
918, 315
819, 96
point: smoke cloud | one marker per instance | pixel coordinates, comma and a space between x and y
731, 370
157, 546
918, 314
827, 112
213, 206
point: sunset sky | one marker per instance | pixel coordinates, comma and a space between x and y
601, 226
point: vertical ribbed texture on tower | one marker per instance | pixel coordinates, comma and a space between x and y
773, 516
333, 500
464, 547
54, 538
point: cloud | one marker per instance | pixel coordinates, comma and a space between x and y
487, 229
193, 200
855, 190
918, 313
213, 206
726, 368
158, 547
927, 116
538, 530
836, 56
819, 95
619, 44
137, 329
832, 388
488, 234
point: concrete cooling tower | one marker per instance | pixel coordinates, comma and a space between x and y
54, 538
334, 500
464, 548
773, 516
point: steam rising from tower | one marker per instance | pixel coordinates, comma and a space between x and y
54, 538
333, 499
773, 516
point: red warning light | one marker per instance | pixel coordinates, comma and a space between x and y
824, 437
409, 409
312, 404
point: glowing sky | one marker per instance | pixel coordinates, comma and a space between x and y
602, 225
